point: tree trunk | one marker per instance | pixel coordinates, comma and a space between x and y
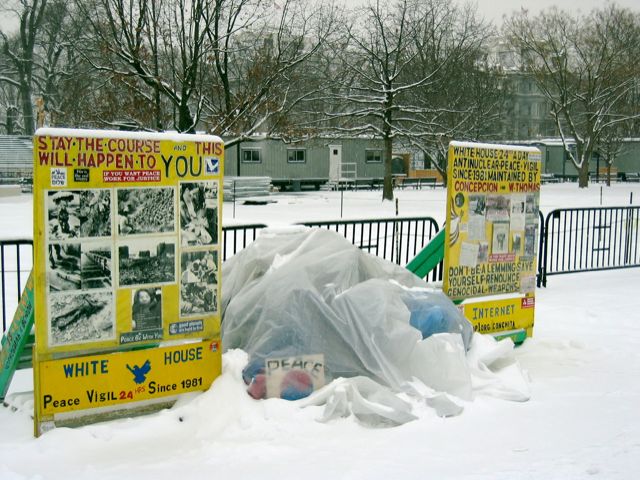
185, 120
387, 190
12, 115
608, 175
583, 175
27, 109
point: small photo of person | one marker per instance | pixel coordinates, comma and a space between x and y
146, 312
198, 213
62, 208
198, 283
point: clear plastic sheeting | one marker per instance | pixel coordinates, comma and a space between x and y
369, 402
302, 291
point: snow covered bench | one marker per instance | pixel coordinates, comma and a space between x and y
549, 178
633, 177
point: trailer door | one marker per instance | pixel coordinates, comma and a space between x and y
335, 162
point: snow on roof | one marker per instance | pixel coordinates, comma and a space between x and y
89, 133
494, 145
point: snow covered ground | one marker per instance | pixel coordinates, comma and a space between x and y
582, 421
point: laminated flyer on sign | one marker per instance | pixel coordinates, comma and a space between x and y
493, 194
127, 229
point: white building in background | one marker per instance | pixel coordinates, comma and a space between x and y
16, 158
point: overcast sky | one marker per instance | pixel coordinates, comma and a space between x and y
490, 9
495, 9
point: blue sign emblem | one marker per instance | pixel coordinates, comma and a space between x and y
212, 165
140, 373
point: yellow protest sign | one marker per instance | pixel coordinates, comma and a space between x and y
493, 196
492, 219
90, 382
500, 315
127, 255
127, 239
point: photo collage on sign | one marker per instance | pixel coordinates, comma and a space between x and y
146, 249
84, 269
79, 266
198, 237
500, 228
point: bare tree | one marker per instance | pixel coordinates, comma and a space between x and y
397, 57
586, 66
161, 44
20, 57
471, 107
467, 98
262, 58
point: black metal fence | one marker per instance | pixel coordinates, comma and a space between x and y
237, 237
16, 260
571, 240
394, 239
588, 239
398, 240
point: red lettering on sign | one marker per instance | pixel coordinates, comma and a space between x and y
528, 302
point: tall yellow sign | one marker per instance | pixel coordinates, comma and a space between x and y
127, 251
492, 224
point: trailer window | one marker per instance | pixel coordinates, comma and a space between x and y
373, 156
296, 156
251, 156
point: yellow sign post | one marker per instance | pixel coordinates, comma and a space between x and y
492, 226
127, 256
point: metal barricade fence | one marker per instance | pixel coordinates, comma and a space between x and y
589, 239
571, 240
394, 239
237, 237
398, 240
16, 261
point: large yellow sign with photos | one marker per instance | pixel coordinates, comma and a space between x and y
127, 257
493, 195
127, 236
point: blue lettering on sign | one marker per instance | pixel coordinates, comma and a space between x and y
84, 369
212, 165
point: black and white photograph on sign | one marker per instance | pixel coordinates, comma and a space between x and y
199, 213
527, 283
500, 238
517, 204
62, 214
516, 243
483, 252
146, 310
477, 205
96, 266
146, 210
146, 261
531, 207
476, 219
94, 213
198, 283
530, 240
81, 317
498, 207
64, 267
